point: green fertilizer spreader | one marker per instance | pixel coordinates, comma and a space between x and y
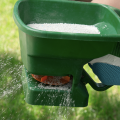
61, 53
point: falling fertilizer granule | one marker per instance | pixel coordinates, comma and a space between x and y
64, 27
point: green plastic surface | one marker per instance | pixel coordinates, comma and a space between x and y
36, 95
61, 54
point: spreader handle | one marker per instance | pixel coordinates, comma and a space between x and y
86, 77
96, 86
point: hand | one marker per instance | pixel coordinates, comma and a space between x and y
114, 3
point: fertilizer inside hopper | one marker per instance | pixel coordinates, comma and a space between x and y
65, 27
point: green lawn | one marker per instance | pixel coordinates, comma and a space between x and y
102, 105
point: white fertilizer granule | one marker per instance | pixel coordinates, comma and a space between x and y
64, 27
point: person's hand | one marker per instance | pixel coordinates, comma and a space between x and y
114, 3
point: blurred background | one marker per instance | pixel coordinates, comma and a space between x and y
102, 105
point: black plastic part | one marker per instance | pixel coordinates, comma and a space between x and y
96, 86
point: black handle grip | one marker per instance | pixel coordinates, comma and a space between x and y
96, 86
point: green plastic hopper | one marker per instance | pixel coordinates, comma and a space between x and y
62, 53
